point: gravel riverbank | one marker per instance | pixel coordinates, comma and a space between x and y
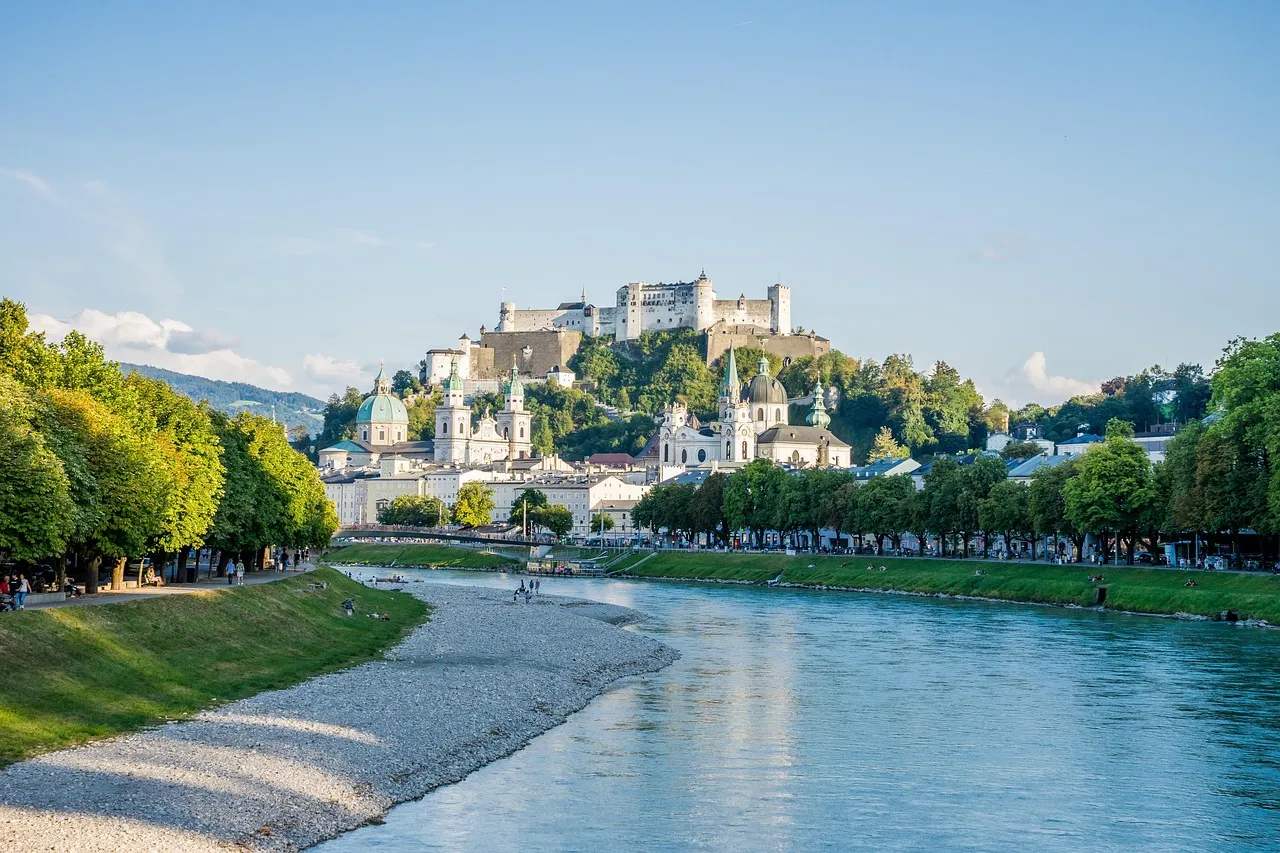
289, 768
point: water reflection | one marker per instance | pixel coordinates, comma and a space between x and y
801, 720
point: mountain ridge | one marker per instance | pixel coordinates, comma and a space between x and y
292, 408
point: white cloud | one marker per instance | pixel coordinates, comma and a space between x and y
32, 180
325, 367
134, 337
1035, 372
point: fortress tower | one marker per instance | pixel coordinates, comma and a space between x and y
780, 309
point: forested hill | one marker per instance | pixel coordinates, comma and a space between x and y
291, 408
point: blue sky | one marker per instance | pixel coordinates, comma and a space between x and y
1044, 195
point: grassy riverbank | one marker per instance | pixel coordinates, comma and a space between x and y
438, 556
75, 674
1141, 590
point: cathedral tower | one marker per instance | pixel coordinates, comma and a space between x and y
453, 421
514, 423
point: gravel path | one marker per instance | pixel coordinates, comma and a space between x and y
289, 768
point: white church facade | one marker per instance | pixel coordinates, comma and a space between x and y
507, 436
753, 423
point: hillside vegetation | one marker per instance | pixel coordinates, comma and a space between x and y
880, 407
97, 670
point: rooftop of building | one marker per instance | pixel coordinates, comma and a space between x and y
799, 435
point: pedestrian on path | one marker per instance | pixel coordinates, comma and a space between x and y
240, 574
20, 597
231, 573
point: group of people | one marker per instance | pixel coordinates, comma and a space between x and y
534, 588
13, 592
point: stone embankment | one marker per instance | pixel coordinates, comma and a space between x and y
289, 768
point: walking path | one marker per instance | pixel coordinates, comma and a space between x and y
107, 596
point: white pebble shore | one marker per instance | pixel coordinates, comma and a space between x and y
290, 768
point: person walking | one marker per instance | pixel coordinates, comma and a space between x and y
20, 596
231, 573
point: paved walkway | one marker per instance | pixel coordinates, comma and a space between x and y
107, 596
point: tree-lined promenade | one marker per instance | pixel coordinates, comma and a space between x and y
1220, 479
103, 468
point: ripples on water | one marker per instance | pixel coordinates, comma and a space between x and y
804, 721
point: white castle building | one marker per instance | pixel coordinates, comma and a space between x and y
754, 423
642, 307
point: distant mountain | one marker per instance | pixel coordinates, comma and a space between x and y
291, 408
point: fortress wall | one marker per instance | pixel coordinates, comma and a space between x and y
532, 320
745, 312
546, 349
722, 336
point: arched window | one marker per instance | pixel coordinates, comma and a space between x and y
364, 435
666, 453
444, 427
760, 414
684, 456
506, 432
462, 430
522, 432
728, 450
795, 457
777, 415
702, 455
744, 451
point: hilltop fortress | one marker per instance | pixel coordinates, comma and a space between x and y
540, 341
642, 307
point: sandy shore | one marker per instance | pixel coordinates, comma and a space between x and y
289, 768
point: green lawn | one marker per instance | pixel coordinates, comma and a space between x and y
1135, 589
438, 556
80, 673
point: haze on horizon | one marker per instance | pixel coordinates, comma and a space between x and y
284, 195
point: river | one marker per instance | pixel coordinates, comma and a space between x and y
801, 720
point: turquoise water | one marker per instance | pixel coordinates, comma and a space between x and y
804, 720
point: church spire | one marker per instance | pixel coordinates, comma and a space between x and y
380, 383
818, 414
731, 386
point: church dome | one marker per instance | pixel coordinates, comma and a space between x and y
382, 408
763, 388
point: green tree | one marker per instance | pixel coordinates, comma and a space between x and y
753, 498
1113, 487
37, 514
413, 510
601, 522
402, 382
1047, 504
557, 519
530, 500
1007, 511
706, 510
186, 436
885, 447
885, 504
118, 477
340, 417
1021, 450
475, 505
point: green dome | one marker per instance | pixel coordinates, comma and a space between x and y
382, 408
